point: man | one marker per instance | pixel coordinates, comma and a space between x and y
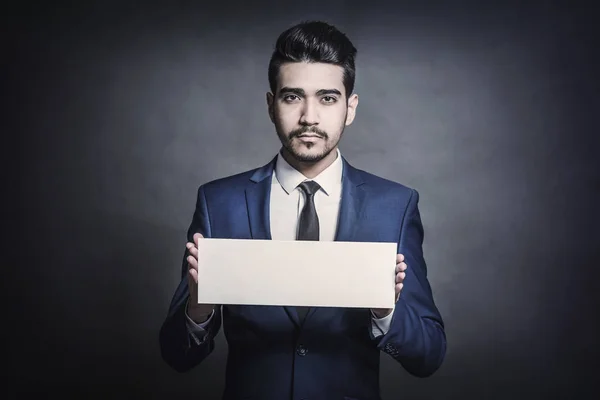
308, 192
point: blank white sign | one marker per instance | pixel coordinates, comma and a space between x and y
296, 273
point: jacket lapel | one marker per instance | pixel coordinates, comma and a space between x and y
258, 196
352, 203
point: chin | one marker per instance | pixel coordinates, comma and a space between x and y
307, 158
314, 155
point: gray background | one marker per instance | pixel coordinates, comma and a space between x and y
120, 112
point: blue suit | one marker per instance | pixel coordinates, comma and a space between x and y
333, 354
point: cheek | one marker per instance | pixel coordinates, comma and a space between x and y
286, 118
340, 120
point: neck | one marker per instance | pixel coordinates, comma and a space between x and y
310, 169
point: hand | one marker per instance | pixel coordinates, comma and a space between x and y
400, 275
197, 312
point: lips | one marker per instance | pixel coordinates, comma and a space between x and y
309, 136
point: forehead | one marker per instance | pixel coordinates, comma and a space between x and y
311, 76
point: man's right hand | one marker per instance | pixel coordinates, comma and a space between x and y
197, 312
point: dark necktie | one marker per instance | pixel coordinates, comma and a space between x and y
308, 225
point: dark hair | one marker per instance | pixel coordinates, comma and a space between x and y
314, 41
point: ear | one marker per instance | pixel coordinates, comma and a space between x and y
352, 104
270, 100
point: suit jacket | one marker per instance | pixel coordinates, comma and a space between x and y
333, 354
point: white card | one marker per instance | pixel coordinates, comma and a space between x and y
296, 273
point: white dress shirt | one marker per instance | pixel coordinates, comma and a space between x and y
286, 204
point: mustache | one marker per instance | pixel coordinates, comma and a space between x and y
307, 129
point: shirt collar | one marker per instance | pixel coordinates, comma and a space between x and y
329, 179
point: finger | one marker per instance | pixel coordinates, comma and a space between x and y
194, 274
399, 288
401, 267
400, 277
197, 236
192, 263
192, 249
399, 258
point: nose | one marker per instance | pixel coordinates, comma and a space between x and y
310, 114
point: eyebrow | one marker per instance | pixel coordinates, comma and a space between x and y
301, 92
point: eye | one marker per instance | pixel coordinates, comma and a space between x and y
329, 99
290, 98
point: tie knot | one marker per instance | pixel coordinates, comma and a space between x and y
309, 187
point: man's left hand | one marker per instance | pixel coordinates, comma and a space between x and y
400, 275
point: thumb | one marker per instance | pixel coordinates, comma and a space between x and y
197, 236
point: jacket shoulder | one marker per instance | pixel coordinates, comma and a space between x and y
229, 182
380, 184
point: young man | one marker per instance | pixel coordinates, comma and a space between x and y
309, 192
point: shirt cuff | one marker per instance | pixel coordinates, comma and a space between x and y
198, 332
381, 326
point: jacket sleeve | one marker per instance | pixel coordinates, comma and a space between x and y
179, 347
416, 338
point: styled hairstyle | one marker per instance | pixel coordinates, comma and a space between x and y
315, 42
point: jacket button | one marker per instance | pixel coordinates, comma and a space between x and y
301, 350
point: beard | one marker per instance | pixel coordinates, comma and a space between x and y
299, 155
